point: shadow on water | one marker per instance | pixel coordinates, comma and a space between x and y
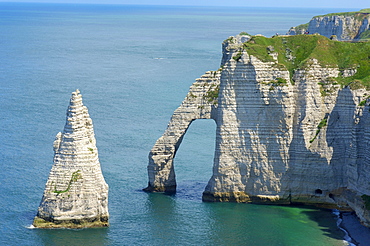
324, 219
190, 190
73, 237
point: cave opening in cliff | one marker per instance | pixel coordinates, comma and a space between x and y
318, 191
194, 159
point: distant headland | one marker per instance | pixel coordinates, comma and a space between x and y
346, 26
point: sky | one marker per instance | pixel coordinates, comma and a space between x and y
351, 4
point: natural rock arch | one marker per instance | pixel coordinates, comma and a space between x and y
283, 136
200, 103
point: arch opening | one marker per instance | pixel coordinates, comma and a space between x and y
194, 158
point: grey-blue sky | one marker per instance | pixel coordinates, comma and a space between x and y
360, 4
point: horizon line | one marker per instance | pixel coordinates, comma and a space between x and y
169, 5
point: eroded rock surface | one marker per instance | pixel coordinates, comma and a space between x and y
343, 26
281, 137
76, 194
200, 103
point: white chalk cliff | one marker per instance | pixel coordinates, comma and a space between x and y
76, 194
200, 103
344, 26
277, 142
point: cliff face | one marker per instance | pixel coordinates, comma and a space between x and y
286, 133
345, 26
76, 194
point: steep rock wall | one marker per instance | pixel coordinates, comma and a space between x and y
76, 194
344, 26
281, 138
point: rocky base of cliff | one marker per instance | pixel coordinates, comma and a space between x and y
304, 200
49, 223
161, 189
359, 234
242, 197
360, 205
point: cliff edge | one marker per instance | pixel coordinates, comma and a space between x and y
346, 26
76, 194
293, 124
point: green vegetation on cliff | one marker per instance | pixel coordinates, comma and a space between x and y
75, 176
297, 51
362, 11
322, 124
358, 15
365, 35
212, 94
366, 200
301, 27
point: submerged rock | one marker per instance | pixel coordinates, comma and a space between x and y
76, 194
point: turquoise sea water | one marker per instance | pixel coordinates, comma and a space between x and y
133, 65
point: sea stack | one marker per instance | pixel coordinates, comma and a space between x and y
76, 194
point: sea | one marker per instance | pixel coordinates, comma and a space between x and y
133, 65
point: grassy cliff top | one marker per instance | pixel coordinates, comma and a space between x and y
362, 11
296, 52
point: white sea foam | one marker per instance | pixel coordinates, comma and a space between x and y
30, 227
347, 238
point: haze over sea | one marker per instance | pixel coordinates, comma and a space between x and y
133, 66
